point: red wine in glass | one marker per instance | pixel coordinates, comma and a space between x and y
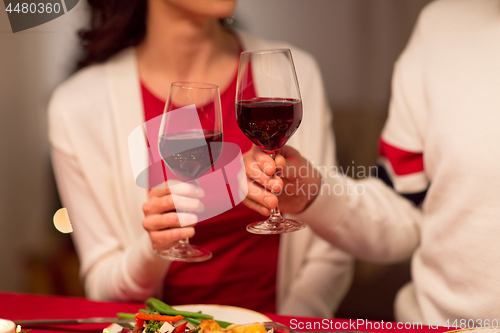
269, 122
269, 111
203, 151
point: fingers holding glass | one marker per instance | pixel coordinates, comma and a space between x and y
162, 240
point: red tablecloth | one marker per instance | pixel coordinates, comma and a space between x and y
14, 306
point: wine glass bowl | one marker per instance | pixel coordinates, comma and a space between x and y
190, 154
269, 111
190, 143
269, 122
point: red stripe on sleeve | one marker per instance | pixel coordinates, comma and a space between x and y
403, 162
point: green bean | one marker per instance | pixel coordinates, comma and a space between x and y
197, 322
223, 324
166, 309
125, 315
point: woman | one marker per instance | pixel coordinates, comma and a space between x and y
133, 54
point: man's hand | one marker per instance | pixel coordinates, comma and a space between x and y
293, 179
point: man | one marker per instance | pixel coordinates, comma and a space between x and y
441, 140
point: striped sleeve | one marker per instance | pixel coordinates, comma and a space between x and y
402, 169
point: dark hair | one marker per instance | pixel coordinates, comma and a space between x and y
114, 26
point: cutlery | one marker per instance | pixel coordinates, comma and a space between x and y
95, 320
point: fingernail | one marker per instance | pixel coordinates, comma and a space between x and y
267, 201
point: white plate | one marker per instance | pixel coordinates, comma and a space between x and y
227, 313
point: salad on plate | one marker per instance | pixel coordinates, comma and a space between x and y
159, 317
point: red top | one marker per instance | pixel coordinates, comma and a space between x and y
243, 269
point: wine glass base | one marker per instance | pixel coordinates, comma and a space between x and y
192, 253
272, 228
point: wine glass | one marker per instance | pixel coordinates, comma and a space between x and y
269, 111
190, 143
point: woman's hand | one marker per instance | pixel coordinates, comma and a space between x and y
163, 222
290, 176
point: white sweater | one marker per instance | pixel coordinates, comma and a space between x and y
90, 118
445, 104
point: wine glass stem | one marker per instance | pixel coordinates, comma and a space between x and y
183, 243
275, 216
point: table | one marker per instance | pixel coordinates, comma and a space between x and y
16, 306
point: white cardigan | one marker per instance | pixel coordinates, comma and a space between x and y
90, 118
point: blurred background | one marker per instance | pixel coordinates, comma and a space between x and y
356, 43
